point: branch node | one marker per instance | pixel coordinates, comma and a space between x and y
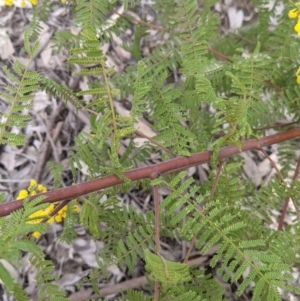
154, 175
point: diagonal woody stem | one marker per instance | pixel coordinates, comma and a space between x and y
169, 166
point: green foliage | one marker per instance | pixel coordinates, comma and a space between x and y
13, 236
55, 170
195, 101
165, 271
18, 96
70, 221
47, 290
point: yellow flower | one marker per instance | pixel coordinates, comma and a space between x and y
22, 3
293, 13
39, 215
36, 234
34, 2
62, 213
8, 2
32, 183
49, 209
22, 194
58, 218
42, 188
298, 76
297, 27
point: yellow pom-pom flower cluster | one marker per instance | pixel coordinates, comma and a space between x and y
18, 3
39, 215
21, 3
298, 76
295, 14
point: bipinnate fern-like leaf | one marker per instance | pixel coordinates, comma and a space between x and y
124, 253
135, 244
6, 277
216, 225
92, 210
165, 271
16, 224
183, 292
142, 86
13, 235
132, 295
18, 96
194, 33
110, 125
70, 221
48, 291
56, 90
169, 116
91, 13
10, 285
194, 101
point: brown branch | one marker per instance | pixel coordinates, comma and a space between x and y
73, 192
157, 233
156, 211
278, 124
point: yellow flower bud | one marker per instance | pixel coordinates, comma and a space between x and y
293, 13
22, 194
41, 188
8, 2
58, 218
32, 182
36, 234
297, 27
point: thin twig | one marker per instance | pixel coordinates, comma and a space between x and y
156, 143
278, 124
281, 179
188, 253
156, 212
212, 193
157, 228
274, 166
156, 291
53, 213
286, 203
217, 178
211, 50
39, 168
57, 209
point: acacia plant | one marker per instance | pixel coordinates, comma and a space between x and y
225, 92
